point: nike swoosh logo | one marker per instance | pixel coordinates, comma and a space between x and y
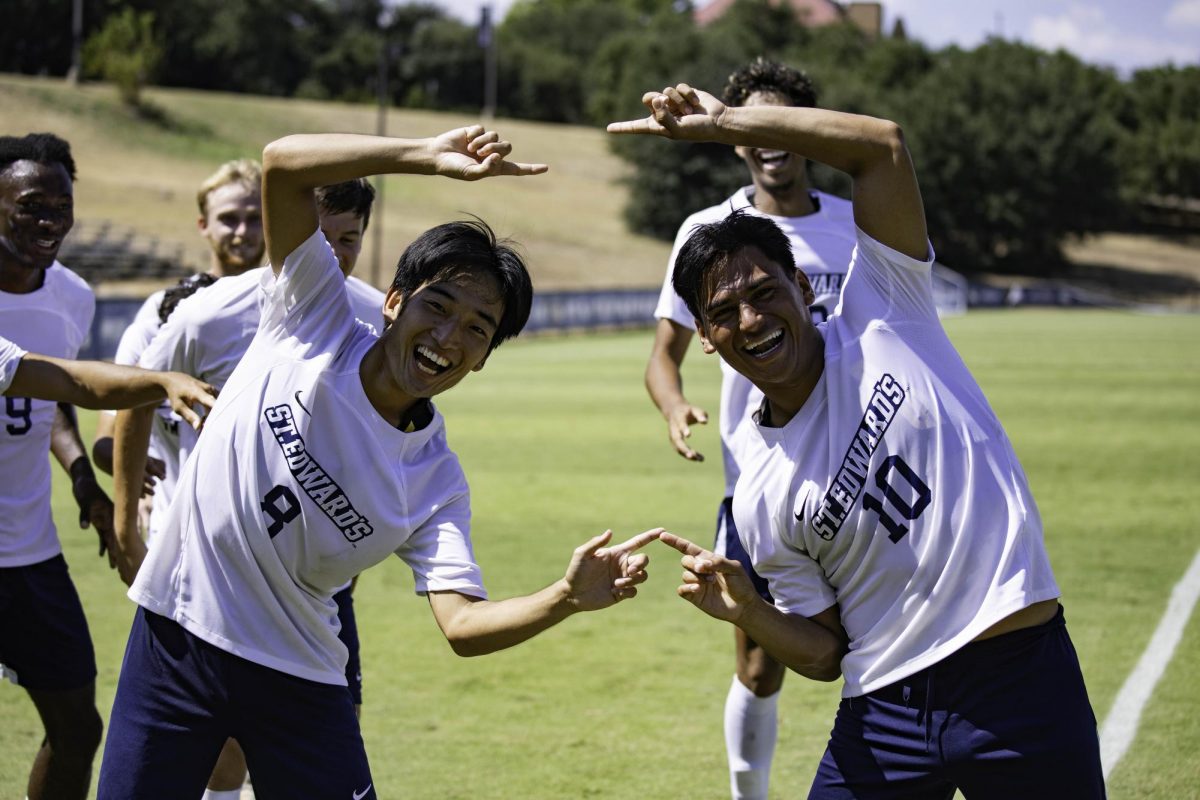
306, 411
363, 793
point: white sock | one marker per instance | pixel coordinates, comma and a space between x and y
750, 731
228, 794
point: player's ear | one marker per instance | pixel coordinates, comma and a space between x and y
806, 289
392, 304
201, 224
705, 342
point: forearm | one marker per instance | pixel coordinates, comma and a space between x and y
65, 442
90, 384
477, 627
102, 443
799, 643
664, 379
306, 161
131, 439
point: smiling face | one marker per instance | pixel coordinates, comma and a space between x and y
37, 211
344, 232
775, 173
437, 335
756, 317
233, 228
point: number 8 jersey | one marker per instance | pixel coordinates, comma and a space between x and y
297, 484
894, 491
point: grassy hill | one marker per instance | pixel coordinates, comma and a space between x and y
143, 173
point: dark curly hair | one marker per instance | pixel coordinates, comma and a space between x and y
181, 291
762, 75
355, 196
42, 148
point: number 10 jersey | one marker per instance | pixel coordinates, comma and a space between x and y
894, 492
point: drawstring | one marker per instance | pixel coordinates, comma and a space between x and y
928, 706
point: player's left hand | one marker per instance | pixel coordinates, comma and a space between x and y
677, 112
95, 509
600, 576
474, 152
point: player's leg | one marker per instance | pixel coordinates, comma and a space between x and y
228, 775
1023, 726
751, 707
301, 738
46, 648
168, 720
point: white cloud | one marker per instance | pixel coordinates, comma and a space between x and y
1087, 32
1185, 13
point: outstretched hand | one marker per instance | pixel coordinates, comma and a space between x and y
474, 152
716, 585
600, 576
679, 421
185, 392
677, 112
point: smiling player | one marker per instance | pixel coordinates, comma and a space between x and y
323, 457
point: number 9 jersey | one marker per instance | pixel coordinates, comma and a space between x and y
894, 491
53, 320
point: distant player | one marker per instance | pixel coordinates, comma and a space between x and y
820, 230
45, 646
323, 457
207, 337
882, 502
230, 222
96, 384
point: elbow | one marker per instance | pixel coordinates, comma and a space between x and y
466, 646
280, 155
891, 141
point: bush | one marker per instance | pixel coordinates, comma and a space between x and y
125, 52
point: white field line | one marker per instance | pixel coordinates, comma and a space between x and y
1120, 727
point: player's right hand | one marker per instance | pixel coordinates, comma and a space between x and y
716, 585
677, 112
679, 420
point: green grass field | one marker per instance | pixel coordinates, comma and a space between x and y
559, 441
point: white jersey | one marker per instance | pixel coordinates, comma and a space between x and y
894, 491
206, 336
10, 359
298, 484
822, 243
52, 321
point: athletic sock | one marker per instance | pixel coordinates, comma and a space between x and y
227, 794
750, 731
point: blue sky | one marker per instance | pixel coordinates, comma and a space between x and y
1125, 34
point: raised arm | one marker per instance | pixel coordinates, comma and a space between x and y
596, 578
887, 199
294, 166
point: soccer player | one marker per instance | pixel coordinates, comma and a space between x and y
882, 500
45, 646
324, 456
820, 230
230, 222
95, 384
207, 337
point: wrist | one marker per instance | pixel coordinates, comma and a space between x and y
563, 599
81, 470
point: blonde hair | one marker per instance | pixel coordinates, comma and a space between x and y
245, 171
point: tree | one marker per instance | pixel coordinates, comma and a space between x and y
125, 52
1160, 150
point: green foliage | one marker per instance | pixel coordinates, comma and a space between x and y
1160, 153
125, 52
1015, 149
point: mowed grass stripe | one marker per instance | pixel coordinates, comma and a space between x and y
559, 442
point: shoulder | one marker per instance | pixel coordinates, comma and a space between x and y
361, 290
69, 286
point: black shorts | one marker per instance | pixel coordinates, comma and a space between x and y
349, 636
44, 638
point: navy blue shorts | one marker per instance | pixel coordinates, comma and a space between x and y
349, 636
729, 544
178, 700
44, 638
1004, 718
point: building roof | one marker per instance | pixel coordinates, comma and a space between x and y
813, 13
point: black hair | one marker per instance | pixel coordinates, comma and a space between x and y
714, 244
42, 148
356, 196
469, 246
762, 75
181, 291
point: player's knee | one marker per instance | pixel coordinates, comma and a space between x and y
760, 673
77, 739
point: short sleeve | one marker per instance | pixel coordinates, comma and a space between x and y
140, 332
670, 305
885, 284
307, 303
10, 359
797, 582
440, 553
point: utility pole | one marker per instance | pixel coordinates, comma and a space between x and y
76, 42
383, 102
487, 42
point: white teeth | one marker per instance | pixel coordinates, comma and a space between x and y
772, 155
761, 345
46, 242
432, 356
